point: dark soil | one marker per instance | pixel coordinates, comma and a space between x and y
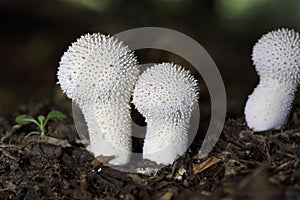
243, 165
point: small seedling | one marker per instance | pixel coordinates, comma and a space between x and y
41, 121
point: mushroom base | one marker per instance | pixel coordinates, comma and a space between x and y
164, 141
269, 105
110, 131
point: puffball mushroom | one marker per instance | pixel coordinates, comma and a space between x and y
276, 57
166, 94
98, 73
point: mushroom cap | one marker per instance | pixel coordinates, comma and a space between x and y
98, 67
277, 55
165, 91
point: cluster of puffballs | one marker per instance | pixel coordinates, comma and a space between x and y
101, 74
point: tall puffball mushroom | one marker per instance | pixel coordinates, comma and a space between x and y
98, 73
276, 57
166, 95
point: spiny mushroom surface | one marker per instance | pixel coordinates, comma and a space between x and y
166, 95
98, 73
276, 57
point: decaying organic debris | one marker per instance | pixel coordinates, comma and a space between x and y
243, 165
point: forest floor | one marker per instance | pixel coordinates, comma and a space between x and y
242, 165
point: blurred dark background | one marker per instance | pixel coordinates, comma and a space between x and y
35, 33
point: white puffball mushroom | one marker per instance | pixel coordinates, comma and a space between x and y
166, 95
276, 57
98, 73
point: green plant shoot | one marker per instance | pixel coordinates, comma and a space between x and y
41, 121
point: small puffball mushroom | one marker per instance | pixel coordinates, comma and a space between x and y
276, 57
166, 95
98, 73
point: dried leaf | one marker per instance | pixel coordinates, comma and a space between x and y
167, 196
55, 141
105, 159
205, 193
197, 168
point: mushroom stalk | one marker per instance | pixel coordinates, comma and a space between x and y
165, 141
269, 105
109, 126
